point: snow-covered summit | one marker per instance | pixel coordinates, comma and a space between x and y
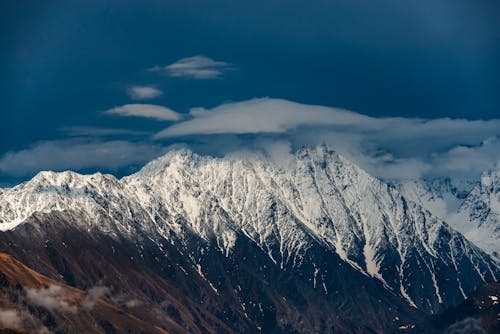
160, 164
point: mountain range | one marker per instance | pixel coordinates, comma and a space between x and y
247, 243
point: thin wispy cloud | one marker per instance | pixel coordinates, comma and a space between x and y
145, 110
196, 67
143, 92
89, 131
388, 147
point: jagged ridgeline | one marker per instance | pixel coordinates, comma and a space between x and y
470, 207
244, 244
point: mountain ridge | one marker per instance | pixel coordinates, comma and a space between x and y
317, 202
472, 208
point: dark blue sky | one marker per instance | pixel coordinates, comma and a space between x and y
63, 63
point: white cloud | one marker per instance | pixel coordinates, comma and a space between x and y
10, 318
390, 147
77, 154
262, 116
196, 67
143, 92
51, 298
465, 160
125, 300
93, 294
145, 110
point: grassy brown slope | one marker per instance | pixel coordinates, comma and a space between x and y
66, 312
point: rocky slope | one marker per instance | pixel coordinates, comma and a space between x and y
480, 313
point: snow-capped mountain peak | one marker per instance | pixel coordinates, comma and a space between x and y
317, 200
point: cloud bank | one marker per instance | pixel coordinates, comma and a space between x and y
196, 67
390, 147
145, 110
78, 154
143, 92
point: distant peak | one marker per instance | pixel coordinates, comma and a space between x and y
490, 178
55, 176
68, 178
